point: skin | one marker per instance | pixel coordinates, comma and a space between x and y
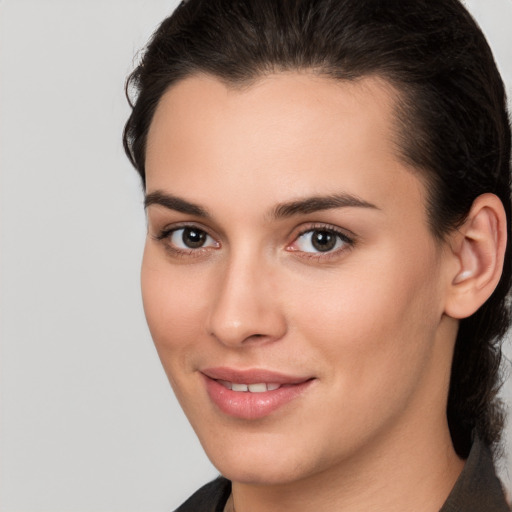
367, 321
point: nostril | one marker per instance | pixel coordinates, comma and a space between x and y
243, 314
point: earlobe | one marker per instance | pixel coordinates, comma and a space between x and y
479, 248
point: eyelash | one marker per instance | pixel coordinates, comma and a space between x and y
165, 237
348, 242
341, 236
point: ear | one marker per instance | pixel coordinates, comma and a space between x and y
478, 248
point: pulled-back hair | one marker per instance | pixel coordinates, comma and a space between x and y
451, 114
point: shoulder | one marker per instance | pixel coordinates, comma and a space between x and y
478, 489
210, 498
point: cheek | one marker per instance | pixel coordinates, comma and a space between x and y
375, 322
173, 305
174, 311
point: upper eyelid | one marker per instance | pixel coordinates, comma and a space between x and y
298, 231
163, 236
321, 226
175, 226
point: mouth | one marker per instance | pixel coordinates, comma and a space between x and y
259, 387
252, 394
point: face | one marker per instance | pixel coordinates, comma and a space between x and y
291, 283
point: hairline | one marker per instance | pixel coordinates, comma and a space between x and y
400, 95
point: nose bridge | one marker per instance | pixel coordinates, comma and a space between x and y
244, 308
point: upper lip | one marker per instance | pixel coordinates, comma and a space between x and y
251, 376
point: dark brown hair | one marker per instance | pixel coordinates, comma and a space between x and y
451, 111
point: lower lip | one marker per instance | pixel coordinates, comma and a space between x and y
252, 406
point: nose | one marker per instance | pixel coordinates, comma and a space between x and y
245, 308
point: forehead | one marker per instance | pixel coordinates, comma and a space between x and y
286, 135
291, 104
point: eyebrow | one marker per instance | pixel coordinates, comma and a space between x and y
319, 203
281, 211
174, 203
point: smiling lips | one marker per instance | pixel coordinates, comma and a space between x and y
259, 387
252, 394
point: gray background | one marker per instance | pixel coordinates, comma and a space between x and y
88, 422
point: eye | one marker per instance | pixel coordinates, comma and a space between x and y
190, 238
186, 240
321, 240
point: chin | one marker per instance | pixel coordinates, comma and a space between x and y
270, 461
270, 472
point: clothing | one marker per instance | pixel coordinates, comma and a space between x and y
477, 489
211, 497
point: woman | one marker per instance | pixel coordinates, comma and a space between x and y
327, 264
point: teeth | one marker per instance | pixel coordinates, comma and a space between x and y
257, 388
260, 387
226, 384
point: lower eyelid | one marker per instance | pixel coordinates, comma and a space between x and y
164, 235
175, 250
208, 240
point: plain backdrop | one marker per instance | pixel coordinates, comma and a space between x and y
88, 422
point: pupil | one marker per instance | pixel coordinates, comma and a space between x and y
323, 240
193, 238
